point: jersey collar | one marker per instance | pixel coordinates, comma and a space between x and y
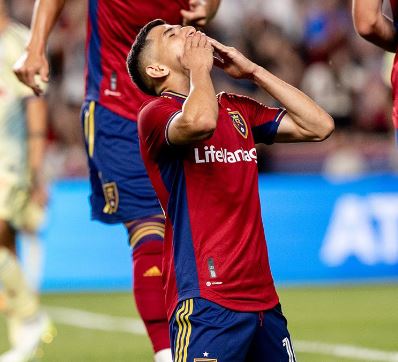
174, 95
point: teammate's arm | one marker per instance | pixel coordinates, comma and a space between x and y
304, 121
199, 115
36, 118
34, 61
200, 12
371, 24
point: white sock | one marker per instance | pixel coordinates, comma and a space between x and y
21, 301
163, 356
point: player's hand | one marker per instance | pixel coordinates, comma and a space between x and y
198, 52
39, 194
197, 15
232, 61
28, 67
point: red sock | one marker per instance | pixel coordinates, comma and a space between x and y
149, 293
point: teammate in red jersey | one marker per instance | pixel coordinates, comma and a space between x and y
199, 151
374, 26
121, 190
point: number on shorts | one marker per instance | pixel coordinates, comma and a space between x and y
289, 349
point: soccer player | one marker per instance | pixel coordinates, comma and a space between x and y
23, 120
374, 26
199, 151
121, 190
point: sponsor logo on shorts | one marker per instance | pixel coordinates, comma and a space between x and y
239, 123
111, 195
209, 154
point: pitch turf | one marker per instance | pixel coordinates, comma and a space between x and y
365, 316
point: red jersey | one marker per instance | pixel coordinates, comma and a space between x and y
214, 245
394, 74
112, 28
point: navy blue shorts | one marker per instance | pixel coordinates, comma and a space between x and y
202, 331
120, 188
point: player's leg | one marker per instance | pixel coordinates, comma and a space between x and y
121, 193
27, 323
146, 240
272, 341
202, 330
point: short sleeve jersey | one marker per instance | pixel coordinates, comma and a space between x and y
215, 246
394, 74
12, 95
112, 28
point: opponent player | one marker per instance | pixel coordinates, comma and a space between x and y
121, 190
199, 151
23, 120
374, 26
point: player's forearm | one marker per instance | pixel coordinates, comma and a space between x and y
200, 110
45, 15
313, 123
372, 25
36, 118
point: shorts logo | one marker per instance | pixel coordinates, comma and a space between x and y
239, 123
111, 197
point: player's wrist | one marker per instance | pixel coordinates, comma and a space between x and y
254, 72
36, 48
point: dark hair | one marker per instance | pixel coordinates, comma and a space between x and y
134, 58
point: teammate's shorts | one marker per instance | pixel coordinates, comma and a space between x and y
15, 206
202, 331
120, 188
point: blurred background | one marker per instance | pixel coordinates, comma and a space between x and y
330, 209
308, 43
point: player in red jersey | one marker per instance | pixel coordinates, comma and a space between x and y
121, 190
374, 26
199, 151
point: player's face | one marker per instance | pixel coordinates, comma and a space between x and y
170, 42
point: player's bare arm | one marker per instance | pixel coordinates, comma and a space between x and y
371, 24
34, 61
305, 120
200, 12
36, 118
199, 115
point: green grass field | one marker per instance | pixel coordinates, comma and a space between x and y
362, 316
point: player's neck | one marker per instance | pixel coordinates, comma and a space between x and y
177, 84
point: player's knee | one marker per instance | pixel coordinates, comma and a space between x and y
145, 230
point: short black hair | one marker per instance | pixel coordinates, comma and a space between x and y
134, 58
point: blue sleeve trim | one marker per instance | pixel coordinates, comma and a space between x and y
166, 130
266, 132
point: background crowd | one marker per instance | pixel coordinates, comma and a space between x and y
308, 43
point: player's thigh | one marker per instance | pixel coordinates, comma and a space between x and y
204, 331
121, 189
272, 342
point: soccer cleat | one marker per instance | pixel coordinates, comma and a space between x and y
26, 338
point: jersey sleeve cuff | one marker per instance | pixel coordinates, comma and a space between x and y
166, 130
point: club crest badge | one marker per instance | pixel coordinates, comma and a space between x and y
239, 123
111, 197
